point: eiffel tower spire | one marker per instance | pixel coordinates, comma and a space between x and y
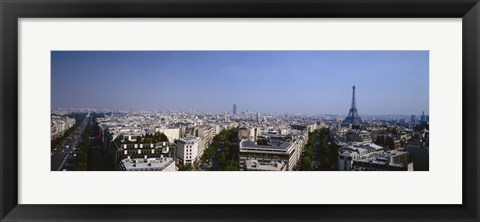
353, 116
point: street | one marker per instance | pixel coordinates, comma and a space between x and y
63, 157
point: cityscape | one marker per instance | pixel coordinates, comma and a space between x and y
240, 111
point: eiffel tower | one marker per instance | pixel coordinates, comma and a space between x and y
353, 116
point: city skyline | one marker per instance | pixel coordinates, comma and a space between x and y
307, 82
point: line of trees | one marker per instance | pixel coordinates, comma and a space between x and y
82, 155
78, 119
58, 141
222, 154
308, 155
186, 167
319, 149
325, 154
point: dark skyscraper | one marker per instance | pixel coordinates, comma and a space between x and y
413, 119
353, 116
423, 118
234, 109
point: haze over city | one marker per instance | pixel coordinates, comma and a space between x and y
310, 82
240, 111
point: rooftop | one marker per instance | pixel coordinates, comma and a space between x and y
372, 146
156, 164
248, 144
254, 165
188, 140
383, 158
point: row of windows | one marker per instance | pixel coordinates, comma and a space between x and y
145, 169
141, 151
134, 146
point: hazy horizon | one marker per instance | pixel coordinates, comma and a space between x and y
230, 111
309, 82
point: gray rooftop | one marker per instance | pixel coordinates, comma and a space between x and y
253, 164
251, 144
158, 164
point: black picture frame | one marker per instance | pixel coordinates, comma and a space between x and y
11, 11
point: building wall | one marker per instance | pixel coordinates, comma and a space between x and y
345, 162
419, 157
206, 134
172, 134
59, 125
291, 156
122, 151
295, 155
187, 150
170, 167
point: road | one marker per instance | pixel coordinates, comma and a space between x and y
63, 157
316, 162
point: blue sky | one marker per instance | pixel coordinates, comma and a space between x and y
315, 82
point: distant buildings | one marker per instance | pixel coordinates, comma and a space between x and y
424, 119
272, 142
234, 109
187, 150
359, 136
59, 125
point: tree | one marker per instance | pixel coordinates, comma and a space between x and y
163, 137
231, 166
262, 141
186, 167
82, 156
222, 153
325, 163
306, 163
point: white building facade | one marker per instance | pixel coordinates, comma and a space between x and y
171, 133
59, 125
187, 150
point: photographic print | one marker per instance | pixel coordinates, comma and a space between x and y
239, 110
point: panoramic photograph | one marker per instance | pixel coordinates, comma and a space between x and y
239, 110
